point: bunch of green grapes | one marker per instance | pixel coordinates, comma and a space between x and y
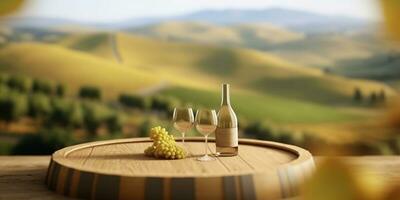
164, 145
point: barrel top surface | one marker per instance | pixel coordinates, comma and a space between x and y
125, 157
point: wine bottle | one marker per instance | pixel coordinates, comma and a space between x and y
226, 134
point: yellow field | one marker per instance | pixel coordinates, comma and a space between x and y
152, 65
72, 68
246, 69
249, 34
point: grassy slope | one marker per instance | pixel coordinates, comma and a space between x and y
277, 90
189, 31
255, 106
323, 89
246, 69
97, 43
72, 68
395, 84
266, 86
254, 35
323, 50
383, 67
334, 49
380, 67
262, 35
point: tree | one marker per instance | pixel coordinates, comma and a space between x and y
19, 83
94, 116
60, 90
373, 98
40, 106
134, 101
76, 116
42, 86
20, 104
66, 113
43, 143
61, 112
358, 96
382, 95
144, 128
13, 107
6, 109
115, 123
90, 92
259, 131
4, 91
4, 78
284, 137
327, 70
164, 104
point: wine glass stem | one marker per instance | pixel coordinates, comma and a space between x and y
183, 137
206, 138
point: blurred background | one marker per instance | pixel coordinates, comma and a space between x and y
323, 75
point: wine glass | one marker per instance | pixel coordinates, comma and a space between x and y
206, 123
183, 120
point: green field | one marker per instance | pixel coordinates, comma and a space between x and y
253, 35
383, 67
95, 43
275, 79
316, 50
266, 87
260, 107
72, 68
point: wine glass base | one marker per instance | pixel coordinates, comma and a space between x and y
205, 158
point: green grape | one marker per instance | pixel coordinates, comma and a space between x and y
164, 145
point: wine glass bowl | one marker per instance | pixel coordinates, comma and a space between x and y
206, 123
183, 120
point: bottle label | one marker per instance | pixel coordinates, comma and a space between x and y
226, 137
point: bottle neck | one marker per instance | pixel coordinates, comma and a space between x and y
225, 95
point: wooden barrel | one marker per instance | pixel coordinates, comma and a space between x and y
118, 169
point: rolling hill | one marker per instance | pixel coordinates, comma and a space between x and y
96, 43
255, 106
325, 50
72, 68
76, 68
246, 68
204, 66
383, 67
200, 32
316, 50
271, 57
278, 90
257, 34
253, 35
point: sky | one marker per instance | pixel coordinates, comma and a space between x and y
119, 10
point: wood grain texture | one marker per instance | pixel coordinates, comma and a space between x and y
107, 169
125, 157
23, 177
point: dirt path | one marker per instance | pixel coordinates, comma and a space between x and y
117, 55
114, 48
153, 89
